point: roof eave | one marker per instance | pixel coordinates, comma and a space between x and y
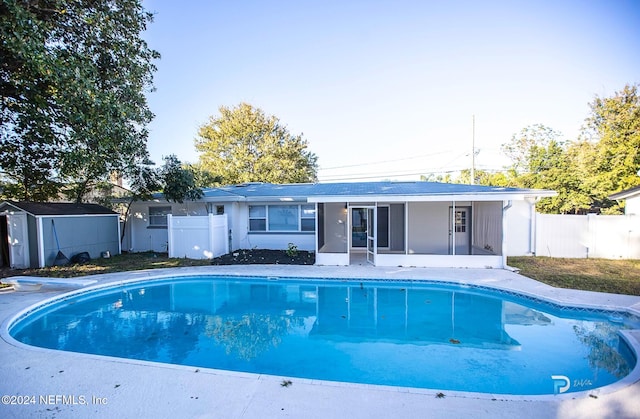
503, 196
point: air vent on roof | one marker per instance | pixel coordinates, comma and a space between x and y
244, 185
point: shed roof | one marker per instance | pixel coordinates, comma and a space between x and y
59, 208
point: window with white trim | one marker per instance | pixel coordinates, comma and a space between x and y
158, 216
257, 218
282, 218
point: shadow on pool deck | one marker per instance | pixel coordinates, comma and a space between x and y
69, 385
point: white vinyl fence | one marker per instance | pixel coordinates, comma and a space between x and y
198, 237
588, 236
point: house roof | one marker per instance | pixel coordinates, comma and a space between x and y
626, 194
316, 192
58, 208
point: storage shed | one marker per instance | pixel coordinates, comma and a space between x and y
32, 233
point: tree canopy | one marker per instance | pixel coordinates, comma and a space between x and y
73, 78
179, 183
585, 171
244, 144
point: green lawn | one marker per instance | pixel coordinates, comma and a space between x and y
603, 275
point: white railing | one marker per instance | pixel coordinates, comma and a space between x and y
198, 237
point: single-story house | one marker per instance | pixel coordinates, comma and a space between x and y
632, 198
33, 233
383, 223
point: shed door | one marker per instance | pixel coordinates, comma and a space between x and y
18, 240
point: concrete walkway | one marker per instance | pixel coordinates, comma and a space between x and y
56, 384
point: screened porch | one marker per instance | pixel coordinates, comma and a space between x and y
421, 233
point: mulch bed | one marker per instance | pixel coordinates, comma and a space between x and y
266, 257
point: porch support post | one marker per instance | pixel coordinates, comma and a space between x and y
506, 205
406, 227
453, 228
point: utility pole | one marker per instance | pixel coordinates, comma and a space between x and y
473, 151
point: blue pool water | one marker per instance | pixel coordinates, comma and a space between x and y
425, 335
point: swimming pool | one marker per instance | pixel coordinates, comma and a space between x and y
412, 334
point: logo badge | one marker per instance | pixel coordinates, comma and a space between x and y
561, 383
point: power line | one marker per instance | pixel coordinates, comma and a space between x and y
383, 161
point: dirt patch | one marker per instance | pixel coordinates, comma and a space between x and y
266, 257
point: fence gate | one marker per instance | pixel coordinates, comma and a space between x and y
198, 237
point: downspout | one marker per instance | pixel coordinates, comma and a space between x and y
504, 228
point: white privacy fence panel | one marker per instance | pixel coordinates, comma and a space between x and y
588, 236
198, 237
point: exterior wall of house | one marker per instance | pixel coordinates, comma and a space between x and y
632, 205
428, 226
267, 240
143, 237
520, 228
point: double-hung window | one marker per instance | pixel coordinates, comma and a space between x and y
257, 218
282, 218
158, 216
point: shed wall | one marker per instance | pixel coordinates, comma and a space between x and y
92, 234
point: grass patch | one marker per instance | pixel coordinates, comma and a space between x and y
602, 275
117, 263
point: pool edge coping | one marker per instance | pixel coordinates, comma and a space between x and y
111, 279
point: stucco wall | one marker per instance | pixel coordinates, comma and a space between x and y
518, 233
267, 240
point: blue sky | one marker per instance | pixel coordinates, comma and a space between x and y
388, 89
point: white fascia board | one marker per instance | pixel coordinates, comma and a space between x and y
432, 198
222, 199
77, 215
15, 209
278, 199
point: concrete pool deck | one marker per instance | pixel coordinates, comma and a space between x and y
70, 385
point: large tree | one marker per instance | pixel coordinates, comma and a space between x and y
524, 148
179, 182
614, 130
73, 78
245, 145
